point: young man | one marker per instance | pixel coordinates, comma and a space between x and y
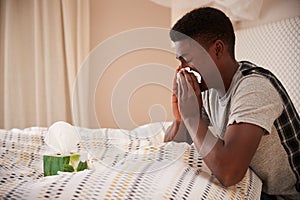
256, 124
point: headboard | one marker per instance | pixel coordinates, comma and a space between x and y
275, 46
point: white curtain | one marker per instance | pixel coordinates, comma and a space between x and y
42, 44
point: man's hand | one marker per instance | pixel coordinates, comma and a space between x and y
173, 129
175, 108
188, 90
189, 96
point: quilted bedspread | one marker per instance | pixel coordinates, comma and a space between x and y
124, 164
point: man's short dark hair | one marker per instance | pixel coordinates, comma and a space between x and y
205, 25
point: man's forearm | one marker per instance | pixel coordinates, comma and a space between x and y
199, 132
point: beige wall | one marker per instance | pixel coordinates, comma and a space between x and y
110, 17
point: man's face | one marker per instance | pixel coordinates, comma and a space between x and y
185, 53
192, 54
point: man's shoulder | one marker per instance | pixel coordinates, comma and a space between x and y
248, 68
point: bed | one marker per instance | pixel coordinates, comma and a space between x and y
123, 164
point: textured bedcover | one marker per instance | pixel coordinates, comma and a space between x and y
132, 164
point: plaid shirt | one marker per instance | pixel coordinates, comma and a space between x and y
287, 124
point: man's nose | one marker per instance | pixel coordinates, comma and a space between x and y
183, 63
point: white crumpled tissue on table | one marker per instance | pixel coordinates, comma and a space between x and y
62, 138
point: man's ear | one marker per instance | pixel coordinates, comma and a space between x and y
219, 48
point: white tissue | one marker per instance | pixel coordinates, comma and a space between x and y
198, 76
62, 138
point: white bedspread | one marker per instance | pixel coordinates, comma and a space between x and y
126, 165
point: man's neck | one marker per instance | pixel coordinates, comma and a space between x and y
228, 73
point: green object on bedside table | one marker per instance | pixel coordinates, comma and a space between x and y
70, 163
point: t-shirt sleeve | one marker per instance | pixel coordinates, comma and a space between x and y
255, 101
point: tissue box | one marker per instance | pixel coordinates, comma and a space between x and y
63, 163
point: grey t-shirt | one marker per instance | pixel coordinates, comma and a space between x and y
253, 99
